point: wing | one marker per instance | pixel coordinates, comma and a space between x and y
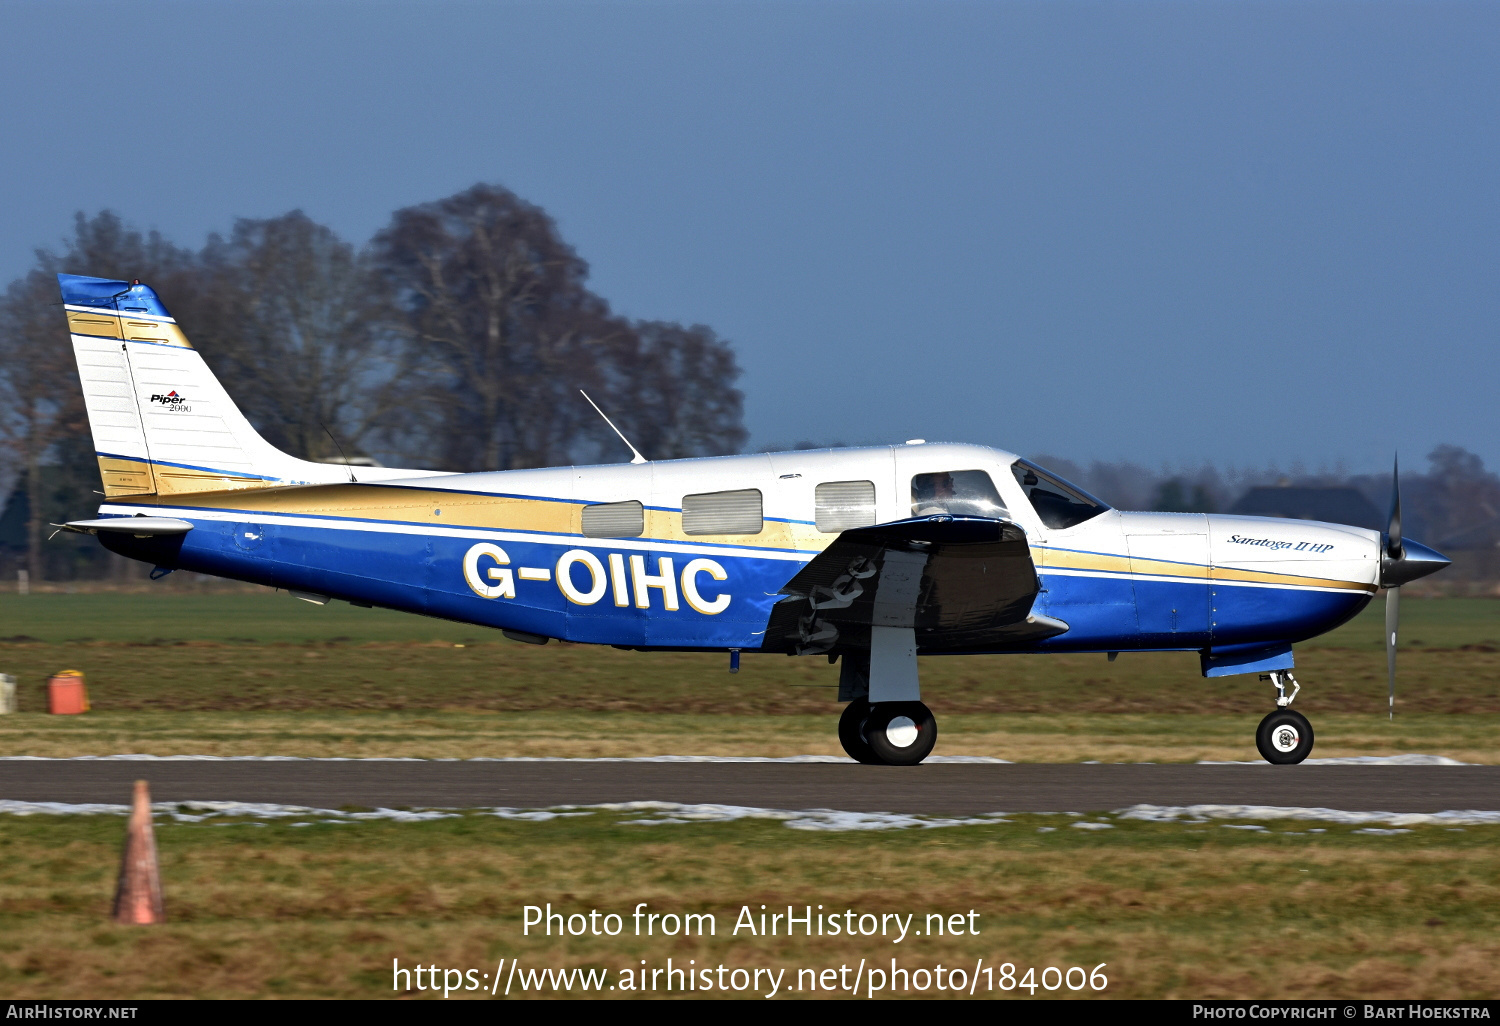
964, 584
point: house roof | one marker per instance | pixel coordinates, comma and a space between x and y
1485, 536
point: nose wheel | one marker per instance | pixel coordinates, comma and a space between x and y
887, 733
1284, 737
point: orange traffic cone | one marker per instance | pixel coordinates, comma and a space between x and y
138, 895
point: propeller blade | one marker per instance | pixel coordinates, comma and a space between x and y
1393, 528
1392, 619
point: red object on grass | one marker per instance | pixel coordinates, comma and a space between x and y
66, 694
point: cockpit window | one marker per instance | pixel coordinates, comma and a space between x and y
967, 493
1057, 503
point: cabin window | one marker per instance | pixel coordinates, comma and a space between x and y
737, 512
614, 520
965, 493
841, 505
1057, 503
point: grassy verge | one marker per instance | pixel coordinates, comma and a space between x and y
201, 676
239, 652
264, 616
1175, 909
1019, 737
240, 673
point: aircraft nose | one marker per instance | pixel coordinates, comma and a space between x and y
1417, 561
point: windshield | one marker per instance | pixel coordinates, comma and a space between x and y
1057, 503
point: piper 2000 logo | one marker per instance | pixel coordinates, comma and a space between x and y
173, 402
499, 580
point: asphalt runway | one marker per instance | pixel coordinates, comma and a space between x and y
939, 789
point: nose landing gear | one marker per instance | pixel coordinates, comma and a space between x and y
1284, 737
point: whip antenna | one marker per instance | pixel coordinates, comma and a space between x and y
636, 452
348, 467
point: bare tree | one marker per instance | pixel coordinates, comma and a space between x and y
288, 314
1455, 495
42, 401
677, 393
501, 327
503, 332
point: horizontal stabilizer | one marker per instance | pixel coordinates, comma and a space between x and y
140, 527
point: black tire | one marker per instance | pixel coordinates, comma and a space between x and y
900, 733
852, 732
1284, 737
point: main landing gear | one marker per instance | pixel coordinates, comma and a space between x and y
888, 733
885, 722
1284, 737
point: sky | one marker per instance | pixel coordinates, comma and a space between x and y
1249, 234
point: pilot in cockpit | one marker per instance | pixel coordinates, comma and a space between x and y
932, 493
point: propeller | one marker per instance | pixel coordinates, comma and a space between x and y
1401, 563
1394, 552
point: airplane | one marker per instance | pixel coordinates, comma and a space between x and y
867, 556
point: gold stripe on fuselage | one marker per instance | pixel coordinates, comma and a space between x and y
124, 476
1225, 573
1063, 559
431, 507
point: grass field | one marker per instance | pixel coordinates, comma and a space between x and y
261, 673
1174, 909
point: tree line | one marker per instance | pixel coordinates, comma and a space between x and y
456, 339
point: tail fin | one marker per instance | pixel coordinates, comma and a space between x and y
162, 423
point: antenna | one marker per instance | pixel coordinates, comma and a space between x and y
347, 466
638, 457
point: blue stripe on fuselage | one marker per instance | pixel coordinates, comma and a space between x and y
1116, 613
423, 573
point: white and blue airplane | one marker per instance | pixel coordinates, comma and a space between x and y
868, 556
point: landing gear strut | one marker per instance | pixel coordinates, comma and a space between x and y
896, 729
1279, 680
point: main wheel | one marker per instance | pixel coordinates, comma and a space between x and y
1284, 737
900, 733
852, 732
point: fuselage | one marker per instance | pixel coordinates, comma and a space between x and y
564, 552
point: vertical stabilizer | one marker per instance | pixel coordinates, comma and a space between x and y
162, 423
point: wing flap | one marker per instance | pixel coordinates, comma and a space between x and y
963, 583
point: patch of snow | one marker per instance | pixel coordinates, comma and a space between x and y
1268, 813
1411, 759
